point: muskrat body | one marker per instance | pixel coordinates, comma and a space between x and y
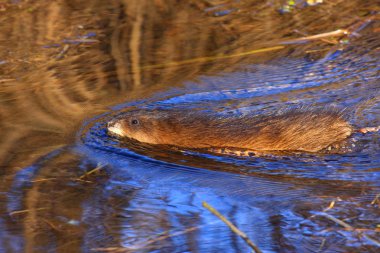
292, 130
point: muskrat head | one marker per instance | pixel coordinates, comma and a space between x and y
138, 125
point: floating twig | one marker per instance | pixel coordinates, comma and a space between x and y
63, 51
328, 40
84, 181
81, 41
321, 36
332, 204
99, 167
26, 211
349, 227
43, 180
232, 227
349, 32
322, 244
376, 199
54, 227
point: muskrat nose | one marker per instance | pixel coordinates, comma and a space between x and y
111, 123
114, 127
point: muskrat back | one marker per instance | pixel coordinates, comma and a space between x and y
293, 130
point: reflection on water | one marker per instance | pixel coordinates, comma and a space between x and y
67, 67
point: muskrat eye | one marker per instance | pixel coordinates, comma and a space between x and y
134, 122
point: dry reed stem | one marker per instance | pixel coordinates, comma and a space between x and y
99, 167
54, 227
64, 50
376, 199
25, 211
349, 227
232, 227
43, 180
321, 36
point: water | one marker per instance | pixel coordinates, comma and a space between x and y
66, 68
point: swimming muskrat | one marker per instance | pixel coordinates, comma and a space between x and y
307, 130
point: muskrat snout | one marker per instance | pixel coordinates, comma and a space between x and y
115, 128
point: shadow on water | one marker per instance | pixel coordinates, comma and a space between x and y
67, 67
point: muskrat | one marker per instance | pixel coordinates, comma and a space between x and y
306, 130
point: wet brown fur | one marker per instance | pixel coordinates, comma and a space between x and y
292, 130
